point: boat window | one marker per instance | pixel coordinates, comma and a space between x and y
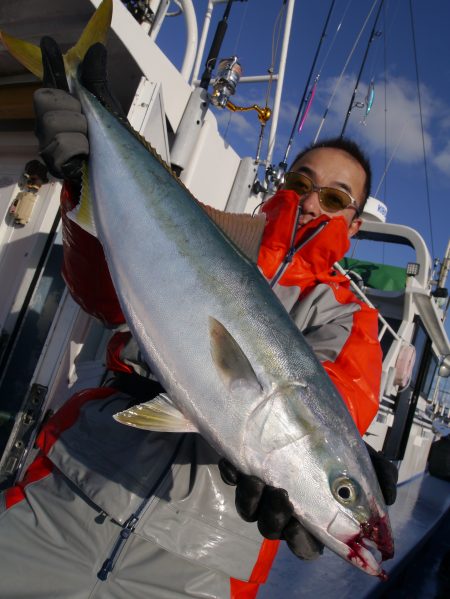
419, 343
406, 401
430, 376
387, 339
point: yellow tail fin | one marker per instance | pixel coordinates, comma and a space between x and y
95, 31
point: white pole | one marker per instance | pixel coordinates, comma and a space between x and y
201, 46
281, 71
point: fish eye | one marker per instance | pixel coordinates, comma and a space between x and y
344, 490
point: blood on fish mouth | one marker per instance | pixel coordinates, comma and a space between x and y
372, 534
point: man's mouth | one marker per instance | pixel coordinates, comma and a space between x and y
304, 218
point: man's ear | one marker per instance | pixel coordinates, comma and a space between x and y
354, 227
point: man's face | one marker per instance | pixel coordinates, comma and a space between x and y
331, 167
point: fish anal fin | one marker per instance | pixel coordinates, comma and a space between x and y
159, 414
244, 230
230, 361
82, 214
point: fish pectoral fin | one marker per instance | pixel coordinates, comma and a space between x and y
158, 414
230, 361
82, 214
244, 230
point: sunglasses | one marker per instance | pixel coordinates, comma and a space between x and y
331, 199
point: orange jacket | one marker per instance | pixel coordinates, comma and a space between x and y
355, 370
342, 330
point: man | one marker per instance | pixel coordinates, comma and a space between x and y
111, 511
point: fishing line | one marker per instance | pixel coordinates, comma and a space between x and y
385, 109
344, 69
338, 28
283, 163
276, 35
220, 34
366, 53
383, 245
394, 152
387, 31
387, 163
238, 37
421, 126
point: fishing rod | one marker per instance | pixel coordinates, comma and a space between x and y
215, 46
373, 35
358, 37
301, 110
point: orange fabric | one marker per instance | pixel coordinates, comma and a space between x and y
84, 267
39, 469
240, 589
313, 263
357, 371
66, 416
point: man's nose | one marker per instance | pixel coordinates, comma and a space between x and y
310, 204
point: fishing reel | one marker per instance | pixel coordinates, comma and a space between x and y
274, 177
140, 9
229, 72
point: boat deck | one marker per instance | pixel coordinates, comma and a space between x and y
421, 507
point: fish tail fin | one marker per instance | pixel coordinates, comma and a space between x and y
27, 54
30, 56
95, 31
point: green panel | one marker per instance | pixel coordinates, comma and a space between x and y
377, 276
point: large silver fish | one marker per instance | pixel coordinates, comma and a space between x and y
234, 365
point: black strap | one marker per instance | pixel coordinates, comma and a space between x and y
138, 387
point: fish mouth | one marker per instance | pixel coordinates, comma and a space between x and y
371, 546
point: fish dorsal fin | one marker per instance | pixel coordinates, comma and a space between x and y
230, 361
158, 414
244, 230
31, 57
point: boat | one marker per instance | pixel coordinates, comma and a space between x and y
49, 348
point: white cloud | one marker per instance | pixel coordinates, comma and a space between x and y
442, 159
398, 127
235, 121
288, 112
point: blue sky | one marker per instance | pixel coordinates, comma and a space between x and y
392, 131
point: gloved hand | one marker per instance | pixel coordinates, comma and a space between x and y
61, 127
271, 508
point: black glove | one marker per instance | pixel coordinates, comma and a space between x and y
387, 475
271, 508
61, 127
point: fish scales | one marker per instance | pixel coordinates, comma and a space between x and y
183, 255
174, 270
